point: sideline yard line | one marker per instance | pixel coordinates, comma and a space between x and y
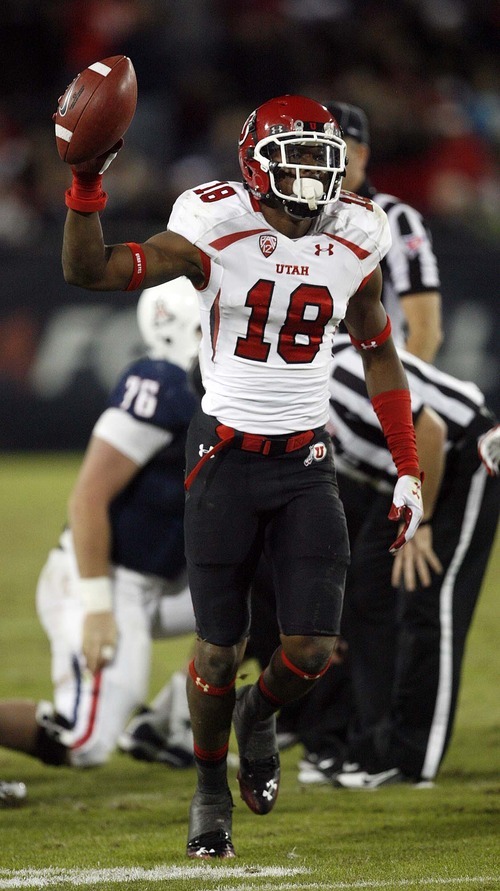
353, 886
44, 878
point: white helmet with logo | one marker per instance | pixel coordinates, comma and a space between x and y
169, 321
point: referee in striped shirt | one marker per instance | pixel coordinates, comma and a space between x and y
406, 645
411, 291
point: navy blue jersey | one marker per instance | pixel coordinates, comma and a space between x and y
147, 517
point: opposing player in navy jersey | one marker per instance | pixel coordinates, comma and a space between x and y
411, 290
118, 577
278, 262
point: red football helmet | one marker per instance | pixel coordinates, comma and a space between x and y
293, 136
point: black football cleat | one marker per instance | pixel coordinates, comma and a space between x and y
259, 783
210, 823
259, 773
210, 846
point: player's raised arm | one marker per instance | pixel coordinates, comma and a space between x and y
88, 262
92, 116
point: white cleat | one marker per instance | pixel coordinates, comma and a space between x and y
12, 794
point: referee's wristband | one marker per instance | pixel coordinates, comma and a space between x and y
95, 594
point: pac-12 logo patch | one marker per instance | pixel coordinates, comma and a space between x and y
317, 452
267, 244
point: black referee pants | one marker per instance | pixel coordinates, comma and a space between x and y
406, 648
393, 700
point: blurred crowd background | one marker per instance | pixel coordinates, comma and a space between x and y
427, 73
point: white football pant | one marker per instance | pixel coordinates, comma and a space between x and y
99, 706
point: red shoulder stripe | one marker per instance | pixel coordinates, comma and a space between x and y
220, 243
355, 248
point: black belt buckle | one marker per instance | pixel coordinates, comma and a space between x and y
276, 447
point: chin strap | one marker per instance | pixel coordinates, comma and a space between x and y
300, 211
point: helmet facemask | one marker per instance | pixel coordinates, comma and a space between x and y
315, 160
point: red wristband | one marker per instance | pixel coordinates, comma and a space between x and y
374, 341
393, 409
86, 194
139, 266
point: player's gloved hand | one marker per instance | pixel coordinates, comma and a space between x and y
488, 446
100, 633
406, 506
86, 194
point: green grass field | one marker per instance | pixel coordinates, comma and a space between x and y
124, 825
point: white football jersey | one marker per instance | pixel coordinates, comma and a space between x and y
271, 304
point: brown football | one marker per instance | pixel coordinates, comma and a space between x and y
96, 109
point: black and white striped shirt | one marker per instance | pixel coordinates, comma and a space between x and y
360, 447
410, 266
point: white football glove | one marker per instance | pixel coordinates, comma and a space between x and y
488, 446
407, 506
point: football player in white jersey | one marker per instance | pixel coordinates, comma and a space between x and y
126, 535
278, 261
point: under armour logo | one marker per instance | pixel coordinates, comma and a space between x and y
317, 452
202, 685
328, 248
272, 787
368, 344
203, 451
